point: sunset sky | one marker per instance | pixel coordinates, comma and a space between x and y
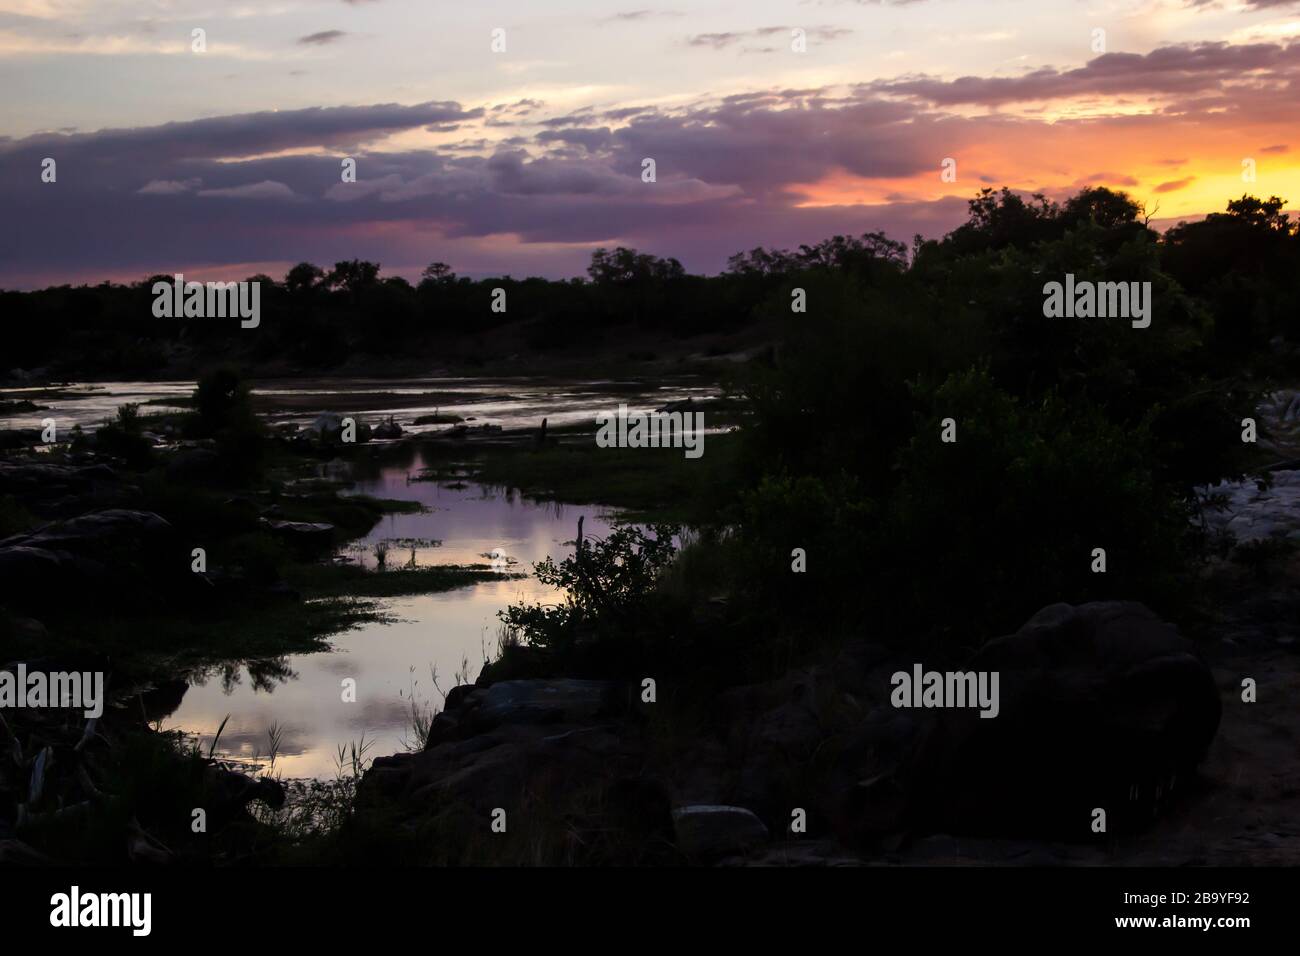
226, 162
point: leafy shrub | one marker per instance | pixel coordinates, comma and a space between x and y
832, 522
985, 530
608, 588
976, 534
123, 438
224, 413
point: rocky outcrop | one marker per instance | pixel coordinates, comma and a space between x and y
54, 490
17, 853
83, 552
472, 710
539, 750
96, 531
808, 740
1102, 706
25, 631
327, 429
707, 833
304, 535
490, 743
196, 464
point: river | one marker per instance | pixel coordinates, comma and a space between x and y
299, 698
391, 662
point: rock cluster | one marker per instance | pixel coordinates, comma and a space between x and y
1102, 705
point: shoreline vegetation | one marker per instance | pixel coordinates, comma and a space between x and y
769, 672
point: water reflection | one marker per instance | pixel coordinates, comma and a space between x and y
510, 403
263, 675
300, 696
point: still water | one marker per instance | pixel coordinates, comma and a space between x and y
454, 631
300, 697
520, 402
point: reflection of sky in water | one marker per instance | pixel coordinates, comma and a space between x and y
510, 403
388, 660
302, 694
90, 405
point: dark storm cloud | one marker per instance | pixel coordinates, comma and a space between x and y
235, 136
518, 107
1177, 70
592, 139
129, 196
762, 149
323, 37
206, 191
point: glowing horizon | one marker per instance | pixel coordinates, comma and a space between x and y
523, 160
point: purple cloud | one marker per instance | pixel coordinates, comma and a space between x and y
322, 38
1185, 69
732, 172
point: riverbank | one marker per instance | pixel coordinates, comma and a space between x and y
737, 750
1120, 740
124, 512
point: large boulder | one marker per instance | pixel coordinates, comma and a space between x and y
387, 431
194, 465
96, 531
516, 745
1101, 706
95, 550
327, 429
16, 853
25, 570
305, 535
561, 701
707, 833
51, 489
829, 722
23, 631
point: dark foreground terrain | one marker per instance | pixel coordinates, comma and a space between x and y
918, 471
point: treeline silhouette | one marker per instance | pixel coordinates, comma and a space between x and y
1230, 276
1070, 435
